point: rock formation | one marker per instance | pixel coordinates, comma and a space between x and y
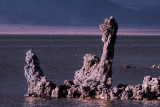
93, 80
154, 66
95, 77
126, 66
150, 90
38, 84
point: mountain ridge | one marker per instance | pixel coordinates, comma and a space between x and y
75, 13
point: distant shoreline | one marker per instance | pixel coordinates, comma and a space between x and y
52, 30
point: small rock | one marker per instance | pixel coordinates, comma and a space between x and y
154, 66
126, 66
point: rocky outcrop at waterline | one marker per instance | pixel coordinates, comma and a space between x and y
94, 79
154, 66
38, 84
150, 90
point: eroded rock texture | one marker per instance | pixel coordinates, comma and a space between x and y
150, 90
38, 84
94, 79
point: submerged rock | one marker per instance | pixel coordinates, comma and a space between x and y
38, 84
126, 66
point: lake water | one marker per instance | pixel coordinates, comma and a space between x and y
60, 56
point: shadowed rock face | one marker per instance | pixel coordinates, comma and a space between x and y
38, 84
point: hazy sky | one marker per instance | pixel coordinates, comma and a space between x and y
128, 13
138, 2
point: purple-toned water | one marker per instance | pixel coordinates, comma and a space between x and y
61, 55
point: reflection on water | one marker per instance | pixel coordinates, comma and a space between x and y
32, 102
20, 101
68, 102
150, 103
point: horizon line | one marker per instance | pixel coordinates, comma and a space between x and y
54, 30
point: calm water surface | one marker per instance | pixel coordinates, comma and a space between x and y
60, 56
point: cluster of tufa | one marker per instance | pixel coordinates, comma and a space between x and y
150, 90
94, 79
38, 84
